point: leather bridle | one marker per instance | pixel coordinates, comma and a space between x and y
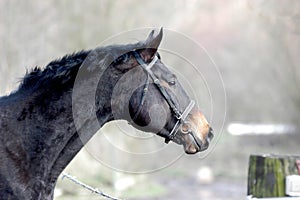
179, 116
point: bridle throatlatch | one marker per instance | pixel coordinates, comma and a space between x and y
180, 116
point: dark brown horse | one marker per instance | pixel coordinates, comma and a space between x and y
56, 110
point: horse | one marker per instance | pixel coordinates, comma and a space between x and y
58, 108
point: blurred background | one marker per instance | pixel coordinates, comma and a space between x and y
255, 44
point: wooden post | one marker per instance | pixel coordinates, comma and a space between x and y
266, 175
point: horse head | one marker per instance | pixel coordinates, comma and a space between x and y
158, 102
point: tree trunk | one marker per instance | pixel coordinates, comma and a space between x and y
266, 175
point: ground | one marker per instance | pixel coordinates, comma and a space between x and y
189, 189
228, 162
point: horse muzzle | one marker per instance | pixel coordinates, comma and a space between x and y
196, 133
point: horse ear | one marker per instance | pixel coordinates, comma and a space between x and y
151, 45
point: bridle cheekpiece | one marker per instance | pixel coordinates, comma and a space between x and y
180, 116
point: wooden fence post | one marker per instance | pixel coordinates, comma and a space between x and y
266, 175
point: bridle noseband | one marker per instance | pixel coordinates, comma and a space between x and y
180, 116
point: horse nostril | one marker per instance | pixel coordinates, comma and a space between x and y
210, 134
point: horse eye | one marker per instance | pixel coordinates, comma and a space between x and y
121, 59
172, 83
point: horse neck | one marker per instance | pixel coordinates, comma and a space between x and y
47, 138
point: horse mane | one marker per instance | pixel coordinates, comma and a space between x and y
58, 72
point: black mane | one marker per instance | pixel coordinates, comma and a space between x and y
61, 72
58, 72
59, 75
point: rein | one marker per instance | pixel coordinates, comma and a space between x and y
180, 116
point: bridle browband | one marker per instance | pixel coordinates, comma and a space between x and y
180, 116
